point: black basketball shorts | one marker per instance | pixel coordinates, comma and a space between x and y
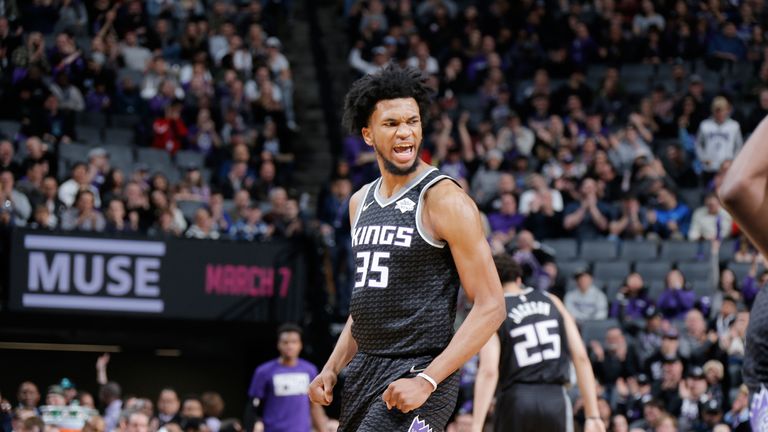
534, 408
363, 410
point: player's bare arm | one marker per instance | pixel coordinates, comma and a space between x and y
321, 388
584, 374
486, 381
743, 192
452, 216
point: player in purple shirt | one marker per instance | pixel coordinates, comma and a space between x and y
279, 388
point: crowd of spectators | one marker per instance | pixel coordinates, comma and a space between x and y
204, 82
66, 405
603, 122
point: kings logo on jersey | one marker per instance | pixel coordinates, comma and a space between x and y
418, 425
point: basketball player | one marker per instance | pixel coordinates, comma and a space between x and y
415, 236
529, 359
744, 193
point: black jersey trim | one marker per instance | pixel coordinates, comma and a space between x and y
383, 202
419, 228
362, 205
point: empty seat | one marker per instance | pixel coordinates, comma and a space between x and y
655, 288
119, 136
692, 197
568, 268
680, 250
119, 154
123, 165
9, 127
90, 135
598, 250
135, 76
594, 330
185, 158
611, 270
639, 250
612, 288
702, 288
124, 120
561, 249
653, 270
91, 119
637, 72
728, 249
741, 270
153, 156
73, 152
696, 270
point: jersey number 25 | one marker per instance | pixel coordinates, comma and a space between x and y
538, 343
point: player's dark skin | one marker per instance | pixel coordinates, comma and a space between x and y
394, 130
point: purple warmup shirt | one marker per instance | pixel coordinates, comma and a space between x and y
283, 394
504, 222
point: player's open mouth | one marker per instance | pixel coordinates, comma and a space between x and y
403, 153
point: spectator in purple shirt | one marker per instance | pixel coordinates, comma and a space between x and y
507, 221
676, 299
279, 388
631, 301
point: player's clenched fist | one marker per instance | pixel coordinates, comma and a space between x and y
407, 394
321, 388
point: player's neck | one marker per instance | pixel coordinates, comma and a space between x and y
391, 183
287, 361
512, 288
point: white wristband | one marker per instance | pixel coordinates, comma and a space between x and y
429, 379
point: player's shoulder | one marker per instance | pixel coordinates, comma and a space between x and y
309, 366
358, 196
446, 194
267, 367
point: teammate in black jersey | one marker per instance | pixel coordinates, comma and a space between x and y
744, 193
529, 359
415, 236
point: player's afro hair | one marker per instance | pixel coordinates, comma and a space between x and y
392, 82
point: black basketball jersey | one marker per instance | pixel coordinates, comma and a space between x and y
404, 297
755, 369
534, 346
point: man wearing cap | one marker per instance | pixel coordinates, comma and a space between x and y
718, 139
70, 392
669, 349
668, 389
711, 415
648, 338
631, 403
55, 396
692, 393
586, 302
380, 59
